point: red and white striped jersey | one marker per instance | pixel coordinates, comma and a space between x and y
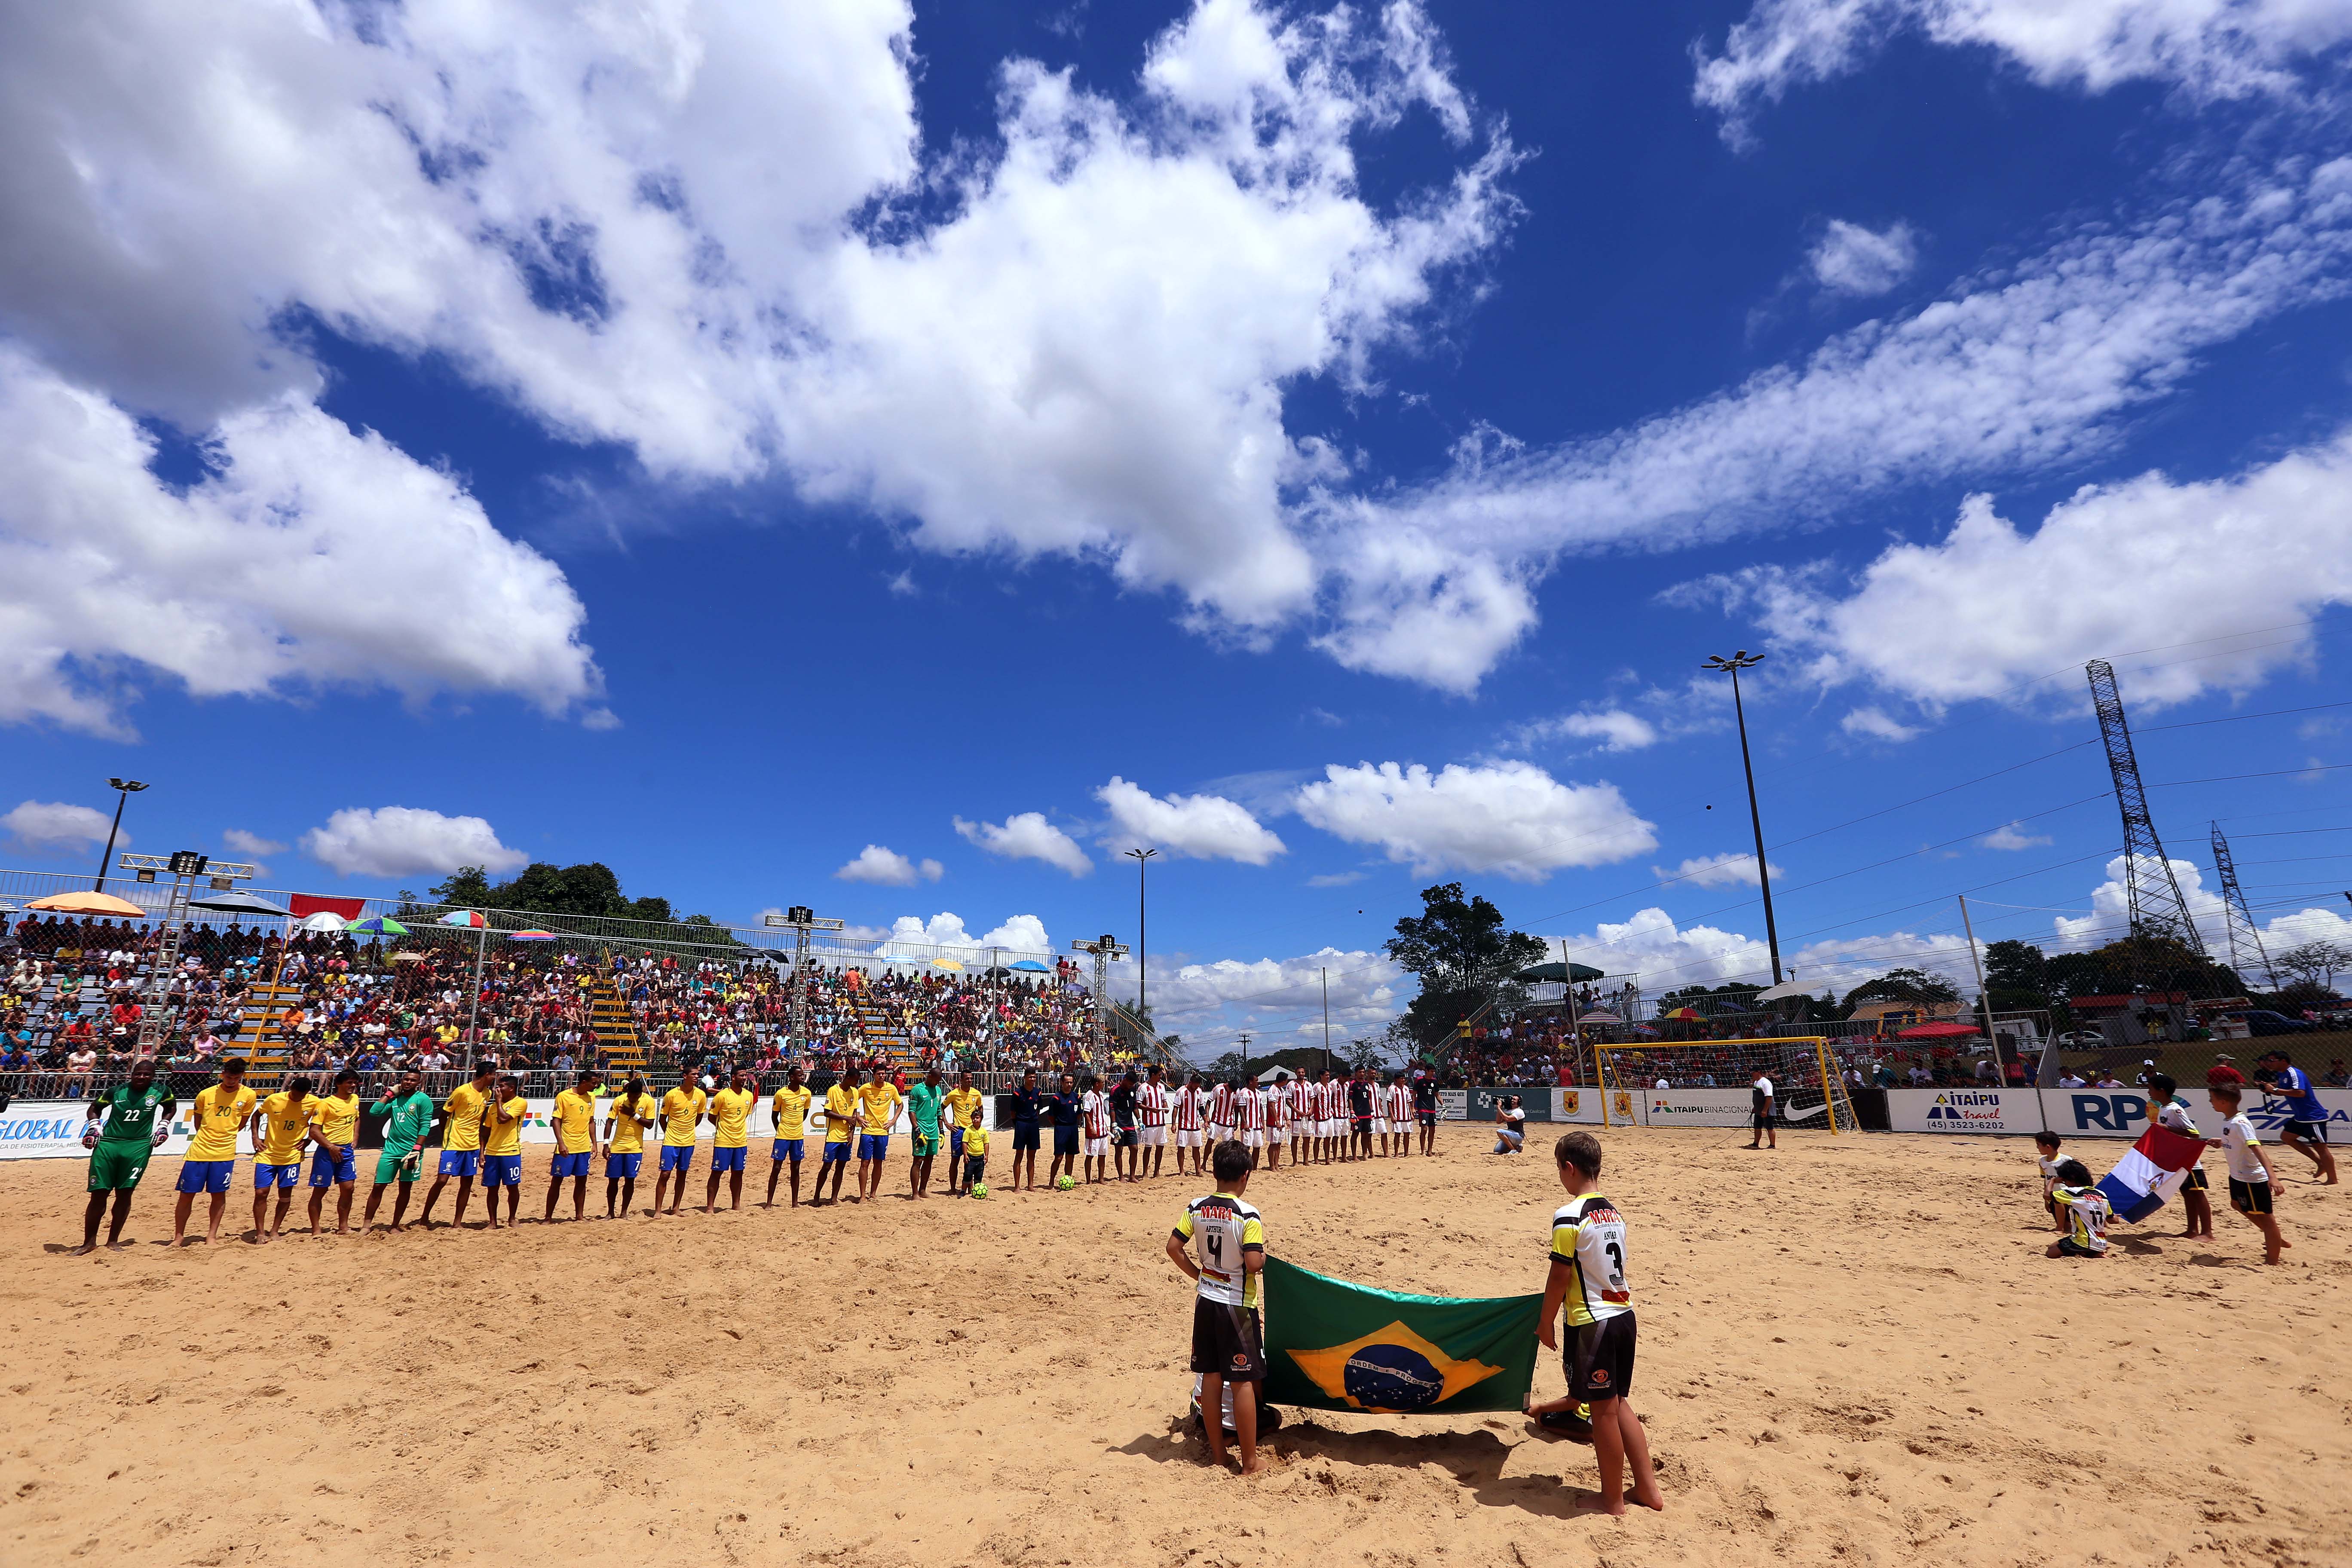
1095, 1106
1327, 1103
1277, 1105
1400, 1101
1152, 1103
1298, 1099
1250, 1105
1189, 1103
1221, 1106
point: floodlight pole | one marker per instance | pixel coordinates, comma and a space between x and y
183, 868
1142, 942
800, 919
1738, 661
123, 790
1104, 948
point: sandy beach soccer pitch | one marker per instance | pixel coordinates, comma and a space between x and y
1852, 1352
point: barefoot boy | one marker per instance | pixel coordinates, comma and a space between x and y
2045, 1149
1588, 1277
2250, 1168
2084, 1209
1228, 1340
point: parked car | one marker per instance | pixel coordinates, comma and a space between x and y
2082, 1041
2260, 1021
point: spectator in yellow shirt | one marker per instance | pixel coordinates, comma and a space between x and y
681, 1110
221, 1112
461, 1141
574, 1120
335, 1137
730, 1117
975, 1155
280, 1129
840, 1133
624, 1144
791, 1111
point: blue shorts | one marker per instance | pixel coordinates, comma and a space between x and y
621, 1167
723, 1159
205, 1176
570, 1166
327, 1168
791, 1149
836, 1153
1024, 1138
267, 1177
678, 1157
501, 1169
460, 1162
1065, 1140
873, 1145
955, 1140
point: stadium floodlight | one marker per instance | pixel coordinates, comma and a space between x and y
123, 790
1738, 661
800, 919
183, 867
1104, 948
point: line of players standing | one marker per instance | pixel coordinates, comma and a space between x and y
1121, 1130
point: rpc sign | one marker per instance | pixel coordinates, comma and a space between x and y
2122, 1113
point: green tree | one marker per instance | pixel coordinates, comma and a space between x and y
1914, 986
1458, 948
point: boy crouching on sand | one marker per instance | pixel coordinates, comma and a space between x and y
1588, 1277
2250, 1168
2045, 1149
2084, 1209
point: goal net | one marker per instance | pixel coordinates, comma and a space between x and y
1711, 1083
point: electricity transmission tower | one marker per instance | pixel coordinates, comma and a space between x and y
2150, 890
2244, 936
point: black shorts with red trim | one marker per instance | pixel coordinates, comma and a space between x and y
1599, 1359
1228, 1341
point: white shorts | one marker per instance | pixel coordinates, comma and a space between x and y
1098, 1147
1253, 1139
1218, 1134
1188, 1138
1333, 1129
1155, 1137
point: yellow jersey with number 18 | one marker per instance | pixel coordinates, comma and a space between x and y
283, 1121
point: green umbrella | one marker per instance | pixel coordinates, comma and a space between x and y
379, 925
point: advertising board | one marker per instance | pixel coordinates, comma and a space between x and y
1722, 1107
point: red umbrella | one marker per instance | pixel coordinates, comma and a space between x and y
1937, 1032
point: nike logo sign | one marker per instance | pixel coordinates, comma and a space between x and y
1799, 1112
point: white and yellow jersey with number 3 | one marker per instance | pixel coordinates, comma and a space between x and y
1588, 1236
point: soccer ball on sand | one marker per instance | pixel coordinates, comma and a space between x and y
1066, 1182
980, 1189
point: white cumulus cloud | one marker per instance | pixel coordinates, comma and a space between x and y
1509, 817
56, 825
1990, 606
307, 555
1850, 259
1027, 836
238, 841
1729, 869
888, 869
2210, 49
1613, 728
1875, 723
2012, 835
1203, 826
403, 840
1018, 935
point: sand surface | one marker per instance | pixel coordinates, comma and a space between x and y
1852, 1351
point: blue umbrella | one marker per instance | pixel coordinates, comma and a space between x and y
1031, 963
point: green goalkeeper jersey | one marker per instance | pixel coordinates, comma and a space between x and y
131, 1113
406, 1118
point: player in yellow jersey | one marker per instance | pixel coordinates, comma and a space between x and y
681, 1111
461, 1141
730, 1114
280, 1128
502, 1147
334, 1139
791, 1110
840, 1133
963, 1103
624, 1144
877, 1110
574, 1120
221, 1112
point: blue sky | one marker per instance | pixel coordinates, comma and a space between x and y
1322, 443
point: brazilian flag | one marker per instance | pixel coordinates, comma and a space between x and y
1331, 1345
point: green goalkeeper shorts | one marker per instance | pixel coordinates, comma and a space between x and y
399, 1165
117, 1167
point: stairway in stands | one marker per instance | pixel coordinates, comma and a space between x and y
885, 1031
617, 1030
257, 1030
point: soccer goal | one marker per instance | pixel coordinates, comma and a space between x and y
1710, 1083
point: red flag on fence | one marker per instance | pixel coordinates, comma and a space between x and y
314, 903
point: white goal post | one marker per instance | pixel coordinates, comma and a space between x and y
1709, 1083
